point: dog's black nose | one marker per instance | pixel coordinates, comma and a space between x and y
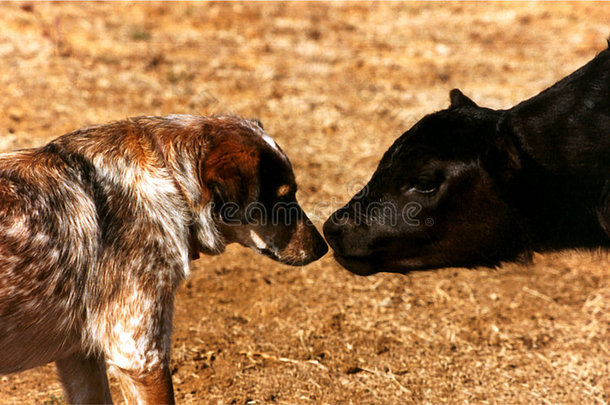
320, 246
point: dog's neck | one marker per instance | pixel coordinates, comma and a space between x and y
192, 231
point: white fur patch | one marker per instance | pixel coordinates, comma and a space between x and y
208, 234
125, 331
183, 119
270, 141
258, 241
17, 229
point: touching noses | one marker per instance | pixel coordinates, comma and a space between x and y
332, 232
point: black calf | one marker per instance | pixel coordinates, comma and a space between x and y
470, 186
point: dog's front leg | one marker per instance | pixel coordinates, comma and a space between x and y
84, 379
134, 333
151, 387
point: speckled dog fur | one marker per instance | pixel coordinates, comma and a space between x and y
97, 230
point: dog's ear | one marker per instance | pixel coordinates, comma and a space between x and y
228, 174
458, 99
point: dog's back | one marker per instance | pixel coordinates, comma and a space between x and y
68, 213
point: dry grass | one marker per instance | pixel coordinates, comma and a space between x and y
335, 84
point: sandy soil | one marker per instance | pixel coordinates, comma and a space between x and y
335, 84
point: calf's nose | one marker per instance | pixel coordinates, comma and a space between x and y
332, 232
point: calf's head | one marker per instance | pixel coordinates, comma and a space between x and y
438, 198
252, 187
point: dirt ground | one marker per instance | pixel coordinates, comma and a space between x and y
334, 84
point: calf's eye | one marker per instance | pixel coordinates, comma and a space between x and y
424, 186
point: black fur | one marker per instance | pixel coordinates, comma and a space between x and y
486, 186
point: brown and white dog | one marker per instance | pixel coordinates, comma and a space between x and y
97, 229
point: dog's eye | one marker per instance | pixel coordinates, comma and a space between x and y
283, 190
424, 186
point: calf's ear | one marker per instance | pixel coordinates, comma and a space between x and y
503, 159
458, 99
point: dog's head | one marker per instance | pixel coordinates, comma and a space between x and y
248, 192
437, 199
